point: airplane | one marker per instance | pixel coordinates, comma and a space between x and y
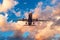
30, 19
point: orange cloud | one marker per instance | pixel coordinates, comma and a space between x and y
7, 4
37, 10
56, 10
39, 34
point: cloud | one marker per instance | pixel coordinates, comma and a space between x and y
7, 4
3, 20
57, 23
56, 10
46, 13
16, 13
42, 30
36, 31
26, 15
53, 1
37, 10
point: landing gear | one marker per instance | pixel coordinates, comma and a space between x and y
33, 23
26, 22
30, 23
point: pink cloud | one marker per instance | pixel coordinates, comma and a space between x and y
7, 4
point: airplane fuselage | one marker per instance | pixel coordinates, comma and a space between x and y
30, 19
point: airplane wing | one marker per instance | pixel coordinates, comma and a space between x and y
22, 19
39, 20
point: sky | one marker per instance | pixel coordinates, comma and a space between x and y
12, 10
